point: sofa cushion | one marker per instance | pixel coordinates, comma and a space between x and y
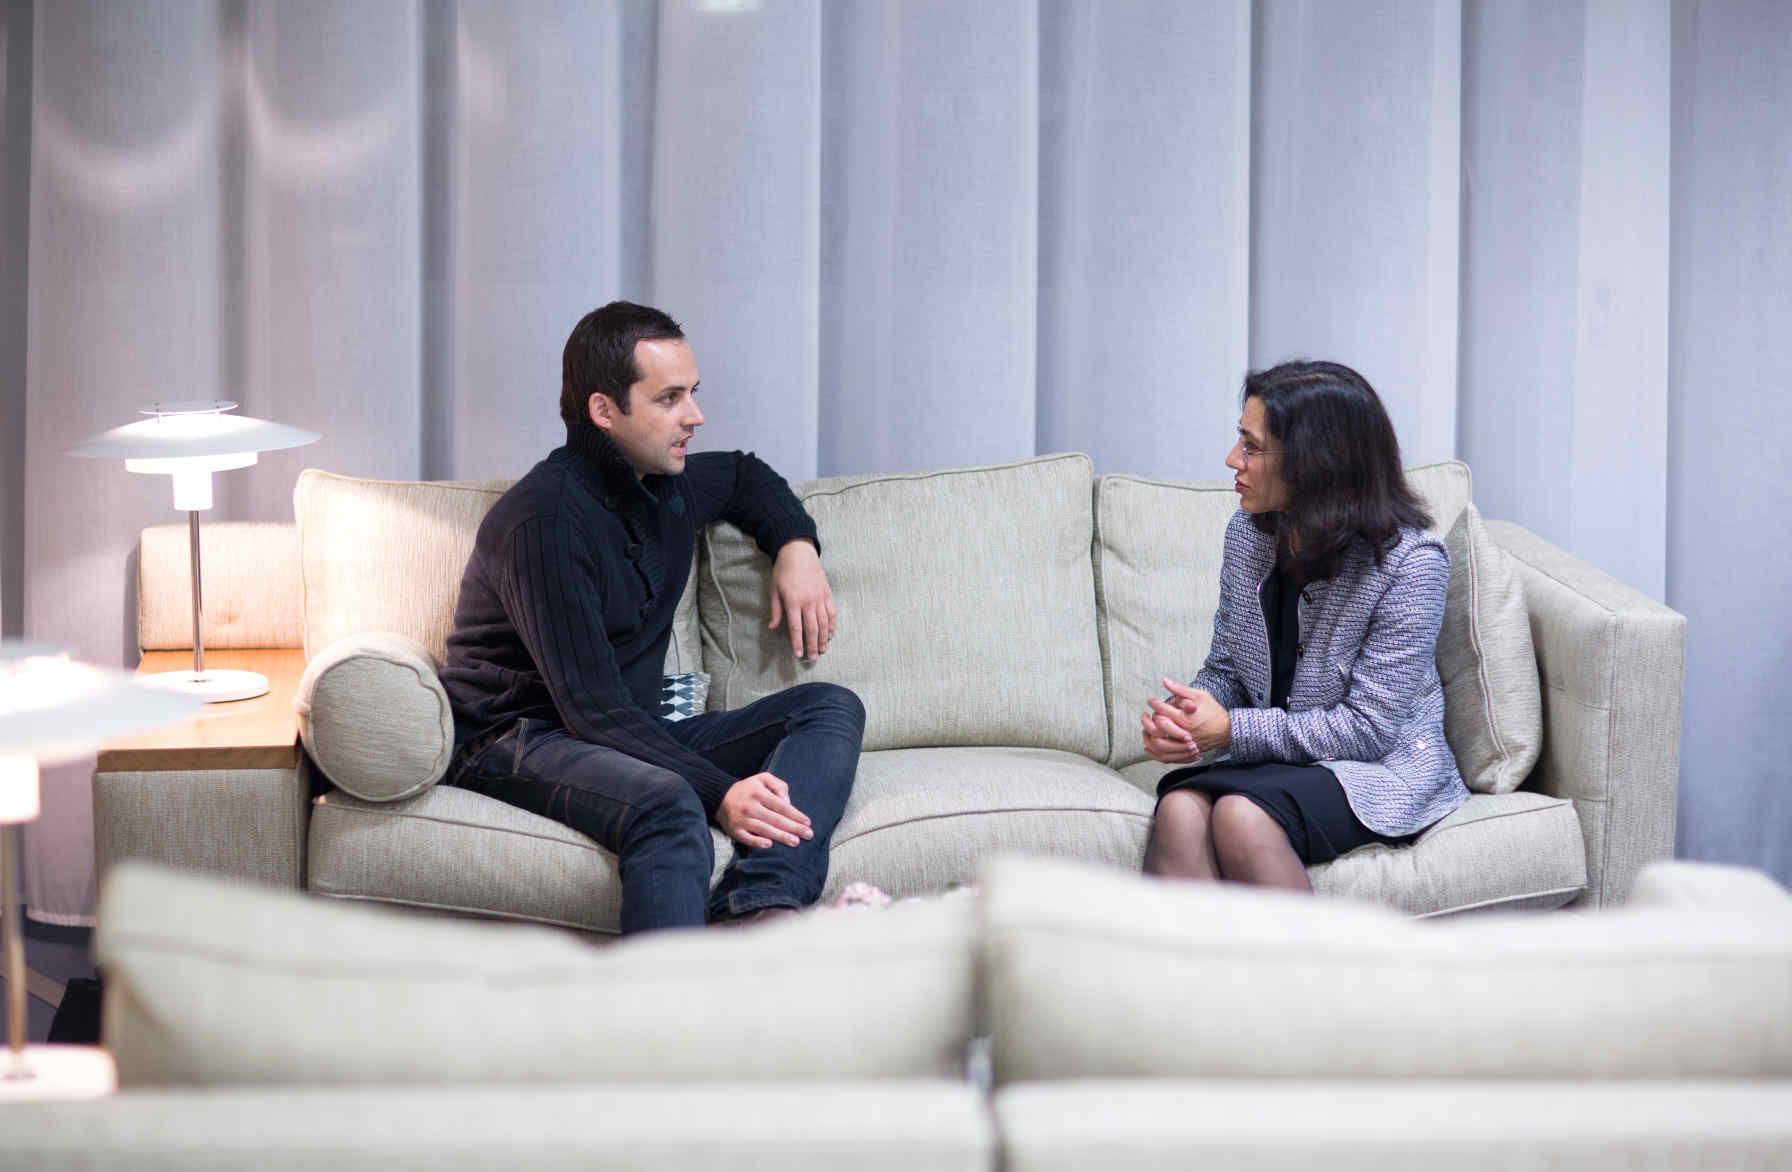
1157, 571
1260, 1125
1493, 702
883, 1125
1228, 981
251, 586
388, 555
214, 983
1505, 851
457, 850
1445, 487
967, 607
374, 717
922, 820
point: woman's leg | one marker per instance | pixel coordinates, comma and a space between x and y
1252, 847
1181, 847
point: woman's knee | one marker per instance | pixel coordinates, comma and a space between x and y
1184, 811
1239, 822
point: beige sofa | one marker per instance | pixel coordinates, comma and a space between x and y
1132, 1023
1004, 627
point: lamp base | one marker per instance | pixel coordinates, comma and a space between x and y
212, 685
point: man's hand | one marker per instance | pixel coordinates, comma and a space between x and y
756, 811
800, 593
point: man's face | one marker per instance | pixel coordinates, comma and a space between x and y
662, 409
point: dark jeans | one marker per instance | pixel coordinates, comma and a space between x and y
807, 735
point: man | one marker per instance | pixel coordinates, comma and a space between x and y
554, 666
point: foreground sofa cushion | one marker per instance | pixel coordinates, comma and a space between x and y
967, 607
924, 820
1393, 1126
1095, 975
210, 983
1496, 852
456, 850
886, 1126
1493, 715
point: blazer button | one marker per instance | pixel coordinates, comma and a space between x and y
1419, 744
632, 550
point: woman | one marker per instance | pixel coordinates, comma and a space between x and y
1318, 715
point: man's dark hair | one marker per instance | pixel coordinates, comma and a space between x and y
600, 355
1340, 464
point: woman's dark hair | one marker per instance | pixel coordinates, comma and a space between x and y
600, 355
1340, 465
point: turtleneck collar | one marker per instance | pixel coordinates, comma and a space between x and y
600, 455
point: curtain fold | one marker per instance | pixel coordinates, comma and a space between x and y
907, 234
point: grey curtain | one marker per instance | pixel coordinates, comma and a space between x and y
1556, 235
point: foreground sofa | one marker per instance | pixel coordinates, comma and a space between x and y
1004, 627
1123, 1022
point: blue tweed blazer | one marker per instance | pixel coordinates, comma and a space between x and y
1366, 702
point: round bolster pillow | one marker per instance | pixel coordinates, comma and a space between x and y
375, 718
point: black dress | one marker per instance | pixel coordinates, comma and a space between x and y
1305, 800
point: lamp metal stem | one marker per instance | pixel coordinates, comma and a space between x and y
15, 944
198, 598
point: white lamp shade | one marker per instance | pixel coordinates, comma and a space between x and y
176, 430
55, 709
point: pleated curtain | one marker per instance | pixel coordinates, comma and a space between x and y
909, 234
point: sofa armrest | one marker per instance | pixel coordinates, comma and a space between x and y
1611, 662
374, 716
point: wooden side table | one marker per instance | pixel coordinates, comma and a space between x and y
225, 792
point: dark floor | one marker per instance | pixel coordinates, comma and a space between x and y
61, 954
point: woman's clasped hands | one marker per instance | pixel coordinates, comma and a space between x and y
1191, 722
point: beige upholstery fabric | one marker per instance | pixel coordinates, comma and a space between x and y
1493, 709
384, 555
1502, 852
1275, 985
886, 1126
455, 850
243, 823
1497, 852
967, 608
374, 716
1276, 1126
923, 820
387, 555
1611, 664
251, 586
1446, 489
1157, 563
211, 983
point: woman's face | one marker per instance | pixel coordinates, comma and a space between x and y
1256, 463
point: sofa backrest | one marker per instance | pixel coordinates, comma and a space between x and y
251, 584
967, 611
388, 555
1157, 556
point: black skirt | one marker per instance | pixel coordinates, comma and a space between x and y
1305, 800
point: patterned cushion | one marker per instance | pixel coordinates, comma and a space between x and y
684, 695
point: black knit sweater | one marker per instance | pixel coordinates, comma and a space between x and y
567, 602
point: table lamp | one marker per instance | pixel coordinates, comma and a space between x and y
53, 710
189, 442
